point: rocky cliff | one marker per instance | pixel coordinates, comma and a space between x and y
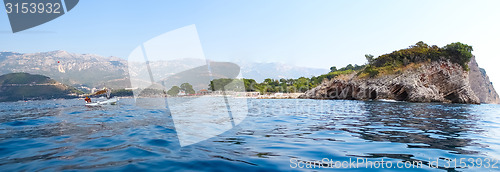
437, 81
481, 85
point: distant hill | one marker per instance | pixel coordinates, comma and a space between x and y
24, 86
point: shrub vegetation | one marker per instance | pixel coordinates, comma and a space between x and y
420, 52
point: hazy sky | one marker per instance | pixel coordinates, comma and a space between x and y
304, 33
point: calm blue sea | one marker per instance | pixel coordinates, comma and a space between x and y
277, 135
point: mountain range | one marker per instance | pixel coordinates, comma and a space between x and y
86, 71
79, 70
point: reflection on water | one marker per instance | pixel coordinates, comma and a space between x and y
422, 125
64, 135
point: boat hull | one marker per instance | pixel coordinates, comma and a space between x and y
112, 101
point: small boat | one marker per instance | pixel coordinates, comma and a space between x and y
387, 100
111, 101
108, 101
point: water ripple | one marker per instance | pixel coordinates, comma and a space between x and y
64, 135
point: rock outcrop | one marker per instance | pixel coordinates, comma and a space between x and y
481, 85
438, 81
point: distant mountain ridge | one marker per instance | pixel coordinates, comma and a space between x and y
88, 70
261, 71
69, 68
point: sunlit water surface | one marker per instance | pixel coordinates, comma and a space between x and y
65, 135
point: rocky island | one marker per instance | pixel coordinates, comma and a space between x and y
420, 73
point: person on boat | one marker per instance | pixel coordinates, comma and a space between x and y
87, 99
108, 93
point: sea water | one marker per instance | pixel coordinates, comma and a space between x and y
276, 135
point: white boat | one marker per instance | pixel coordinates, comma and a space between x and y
111, 101
387, 100
108, 101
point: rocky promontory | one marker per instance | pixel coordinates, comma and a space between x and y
421, 79
481, 85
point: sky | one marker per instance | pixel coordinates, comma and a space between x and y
319, 33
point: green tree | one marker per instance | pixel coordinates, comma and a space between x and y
250, 84
421, 44
228, 84
268, 80
122, 92
372, 72
187, 88
174, 91
459, 53
219, 84
348, 67
369, 58
152, 92
260, 88
333, 69
282, 80
302, 84
235, 85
